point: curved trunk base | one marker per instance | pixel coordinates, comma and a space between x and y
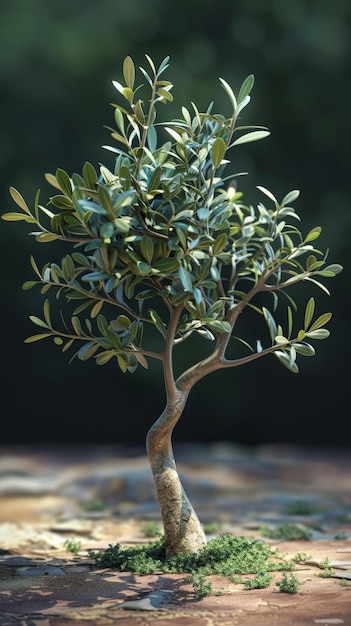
182, 528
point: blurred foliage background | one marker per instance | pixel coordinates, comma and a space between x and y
57, 63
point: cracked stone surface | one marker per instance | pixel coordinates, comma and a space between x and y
92, 496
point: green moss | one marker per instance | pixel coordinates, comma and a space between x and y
72, 545
289, 532
212, 527
340, 535
92, 505
227, 556
260, 581
150, 529
301, 557
299, 507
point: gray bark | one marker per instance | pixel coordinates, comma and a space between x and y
182, 529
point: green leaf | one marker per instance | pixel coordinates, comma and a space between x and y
143, 269
123, 322
105, 199
305, 349
309, 312
157, 321
18, 198
215, 309
64, 182
151, 63
93, 276
152, 139
230, 94
268, 194
139, 113
186, 115
18, 217
185, 278
46, 237
28, 284
164, 93
246, 88
335, 269
141, 359
290, 321
104, 357
51, 179
67, 345
220, 243
125, 177
166, 266
220, 327
271, 323
34, 266
119, 120
58, 341
123, 363
219, 149
322, 320
179, 297
176, 136
68, 268
129, 72
313, 234
147, 248
46, 310
120, 138
321, 333
33, 338
87, 351
128, 94
290, 197
102, 324
146, 294
284, 358
254, 135
280, 340
90, 175
75, 321
203, 213
36, 320
61, 202
96, 309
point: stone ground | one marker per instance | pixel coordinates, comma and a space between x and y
104, 494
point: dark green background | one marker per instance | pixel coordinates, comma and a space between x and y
57, 62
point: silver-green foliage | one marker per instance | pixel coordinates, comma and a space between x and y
166, 241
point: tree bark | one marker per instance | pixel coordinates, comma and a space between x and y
182, 529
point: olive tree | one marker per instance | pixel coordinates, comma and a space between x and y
163, 244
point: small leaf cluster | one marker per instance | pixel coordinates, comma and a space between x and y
289, 583
327, 569
166, 232
72, 545
202, 587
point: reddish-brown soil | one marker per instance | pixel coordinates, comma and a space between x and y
44, 498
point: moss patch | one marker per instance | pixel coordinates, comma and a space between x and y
227, 556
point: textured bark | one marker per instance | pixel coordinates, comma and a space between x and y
182, 529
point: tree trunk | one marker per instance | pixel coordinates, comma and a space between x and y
182, 529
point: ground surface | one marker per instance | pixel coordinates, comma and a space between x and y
94, 496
